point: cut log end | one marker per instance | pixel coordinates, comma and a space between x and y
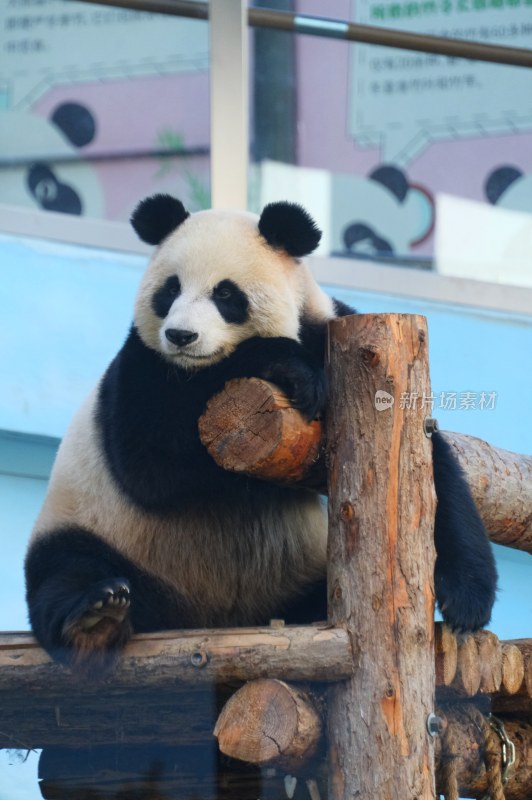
268, 722
467, 678
446, 651
250, 427
513, 669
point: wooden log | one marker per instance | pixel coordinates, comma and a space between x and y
197, 657
253, 729
513, 669
501, 485
381, 559
251, 427
490, 661
446, 651
244, 429
467, 679
465, 744
525, 648
521, 701
267, 722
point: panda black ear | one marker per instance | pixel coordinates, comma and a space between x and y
155, 217
288, 226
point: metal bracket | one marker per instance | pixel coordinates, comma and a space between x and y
507, 749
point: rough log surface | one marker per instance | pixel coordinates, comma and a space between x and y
198, 657
267, 722
501, 484
464, 745
245, 426
381, 517
110, 773
446, 652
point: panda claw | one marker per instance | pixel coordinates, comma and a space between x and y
108, 602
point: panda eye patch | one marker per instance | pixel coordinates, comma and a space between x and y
231, 302
164, 297
223, 291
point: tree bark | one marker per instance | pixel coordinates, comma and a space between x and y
250, 427
501, 485
381, 559
196, 657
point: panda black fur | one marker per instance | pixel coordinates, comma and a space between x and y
140, 529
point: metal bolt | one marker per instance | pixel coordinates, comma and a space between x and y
435, 724
430, 426
198, 659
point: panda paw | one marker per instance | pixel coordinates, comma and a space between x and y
108, 599
98, 626
465, 606
304, 386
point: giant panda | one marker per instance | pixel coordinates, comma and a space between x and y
140, 529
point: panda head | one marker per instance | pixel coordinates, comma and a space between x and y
218, 278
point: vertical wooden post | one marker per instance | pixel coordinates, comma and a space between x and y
381, 557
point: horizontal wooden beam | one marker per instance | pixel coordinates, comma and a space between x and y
165, 687
250, 427
198, 658
168, 686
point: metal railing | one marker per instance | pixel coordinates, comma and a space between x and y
340, 29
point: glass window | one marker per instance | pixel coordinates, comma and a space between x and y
101, 106
401, 155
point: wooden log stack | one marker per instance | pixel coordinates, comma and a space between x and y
274, 724
167, 673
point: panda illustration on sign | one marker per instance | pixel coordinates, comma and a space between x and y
141, 530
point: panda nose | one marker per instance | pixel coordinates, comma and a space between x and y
180, 337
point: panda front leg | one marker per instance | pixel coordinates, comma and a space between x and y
294, 368
465, 574
85, 599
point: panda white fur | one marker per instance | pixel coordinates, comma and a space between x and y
140, 529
